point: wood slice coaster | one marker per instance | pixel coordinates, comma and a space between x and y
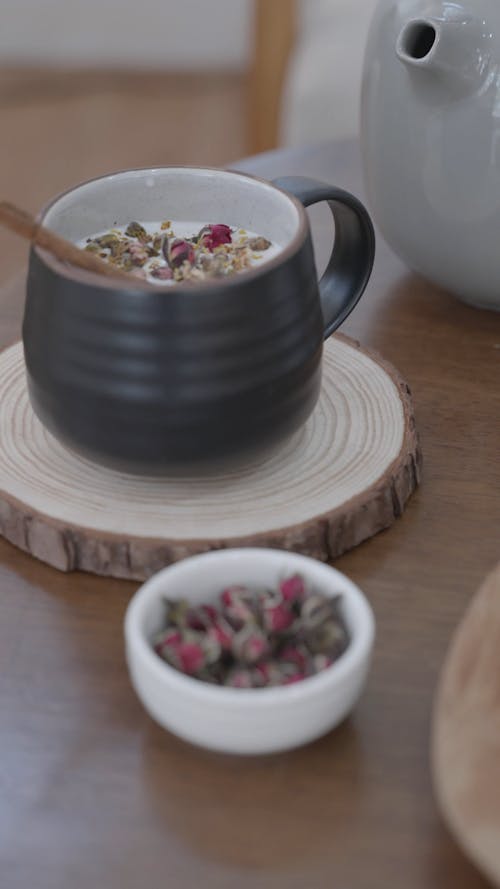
466, 732
343, 477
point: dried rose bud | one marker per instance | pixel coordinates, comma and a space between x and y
329, 638
212, 236
202, 617
250, 645
296, 677
162, 273
237, 602
321, 662
177, 612
293, 589
191, 652
178, 251
137, 254
232, 593
266, 673
316, 609
222, 631
269, 598
240, 677
211, 648
167, 639
210, 612
190, 656
277, 618
296, 655
187, 657
261, 675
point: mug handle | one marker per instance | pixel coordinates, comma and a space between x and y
353, 254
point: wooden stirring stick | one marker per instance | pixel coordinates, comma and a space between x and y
26, 225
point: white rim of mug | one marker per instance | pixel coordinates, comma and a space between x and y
82, 276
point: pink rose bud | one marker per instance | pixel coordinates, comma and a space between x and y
236, 603
201, 618
232, 593
265, 673
195, 620
293, 588
169, 639
138, 254
240, 678
260, 676
321, 662
210, 612
222, 631
316, 610
295, 655
211, 648
177, 613
256, 648
191, 657
250, 645
177, 252
212, 236
162, 273
278, 617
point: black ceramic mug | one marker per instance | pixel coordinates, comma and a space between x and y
145, 378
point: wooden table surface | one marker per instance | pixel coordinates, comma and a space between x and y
92, 793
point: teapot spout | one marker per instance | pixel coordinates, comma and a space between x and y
417, 41
453, 48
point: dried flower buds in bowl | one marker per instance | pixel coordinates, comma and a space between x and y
255, 638
249, 650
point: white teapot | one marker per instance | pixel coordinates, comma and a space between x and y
431, 139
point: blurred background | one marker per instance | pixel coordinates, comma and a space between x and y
90, 86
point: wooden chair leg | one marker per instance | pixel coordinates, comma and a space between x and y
274, 35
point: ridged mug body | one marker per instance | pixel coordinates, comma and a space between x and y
143, 380
149, 378
146, 378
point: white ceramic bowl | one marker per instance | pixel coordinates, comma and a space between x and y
245, 721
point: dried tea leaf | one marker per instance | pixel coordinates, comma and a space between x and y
136, 230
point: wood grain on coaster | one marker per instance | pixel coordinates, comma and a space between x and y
346, 475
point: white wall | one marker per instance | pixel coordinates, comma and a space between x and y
322, 95
177, 34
